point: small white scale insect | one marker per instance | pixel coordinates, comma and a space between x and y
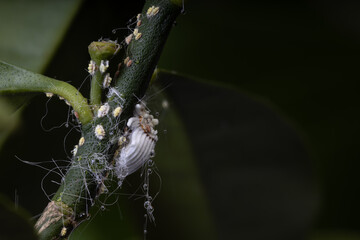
141, 143
104, 65
152, 11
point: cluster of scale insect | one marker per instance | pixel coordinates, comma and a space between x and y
136, 143
100, 164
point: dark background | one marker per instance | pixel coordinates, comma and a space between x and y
271, 123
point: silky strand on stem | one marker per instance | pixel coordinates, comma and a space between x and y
94, 158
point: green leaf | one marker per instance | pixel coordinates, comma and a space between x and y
32, 30
251, 162
14, 222
31, 37
8, 120
118, 219
182, 196
309, 71
16, 80
332, 234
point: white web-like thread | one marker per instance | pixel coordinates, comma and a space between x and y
65, 123
148, 199
136, 152
57, 170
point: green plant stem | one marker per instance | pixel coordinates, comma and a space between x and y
95, 91
77, 192
17, 80
145, 52
80, 187
99, 51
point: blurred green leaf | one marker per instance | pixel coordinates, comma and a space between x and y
17, 100
182, 205
115, 220
31, 31
14, 221
303, 58
9, 120
252, 164
334, 235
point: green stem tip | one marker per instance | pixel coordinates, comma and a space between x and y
100, 53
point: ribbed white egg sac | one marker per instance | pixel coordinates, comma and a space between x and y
137, 152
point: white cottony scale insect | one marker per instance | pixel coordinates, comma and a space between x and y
107, 81
49, 95
128, 63
128, 39
103, 110
81, 141
117, 111
104, 65
138, 36
141, 143
121, 140
74, 151
99, 132
136, 31
152, 11
63, 232
92, 67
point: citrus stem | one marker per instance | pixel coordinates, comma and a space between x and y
17, 80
